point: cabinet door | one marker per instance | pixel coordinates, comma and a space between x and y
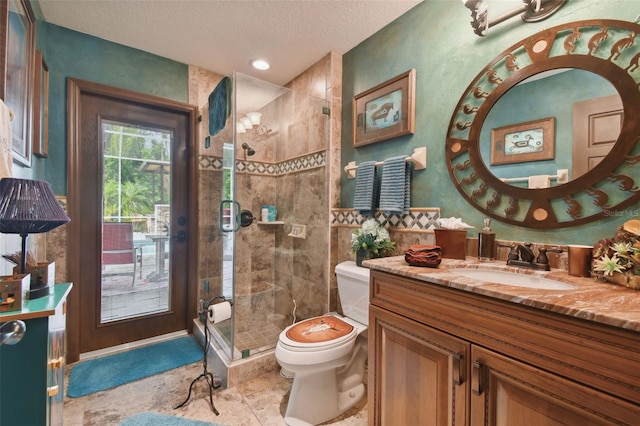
417, 375
23, 377
505, 392
56, 366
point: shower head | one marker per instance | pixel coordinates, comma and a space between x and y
250, 151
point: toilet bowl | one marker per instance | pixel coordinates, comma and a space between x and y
327, 354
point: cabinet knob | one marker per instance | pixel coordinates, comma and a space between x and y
458, 369
477, 378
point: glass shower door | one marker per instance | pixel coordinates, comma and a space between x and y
228, 227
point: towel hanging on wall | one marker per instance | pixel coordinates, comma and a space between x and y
219, 106
366, 188
395, 185
539, 181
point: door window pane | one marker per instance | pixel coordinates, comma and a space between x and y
136, 219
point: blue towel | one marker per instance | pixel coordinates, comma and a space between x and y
395, 186
364, 198
219, 106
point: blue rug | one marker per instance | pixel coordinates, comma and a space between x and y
107, 372
154, 419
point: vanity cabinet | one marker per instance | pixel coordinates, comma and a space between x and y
442, 356
32, 371
418, 373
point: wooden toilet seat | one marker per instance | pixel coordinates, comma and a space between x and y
319, 329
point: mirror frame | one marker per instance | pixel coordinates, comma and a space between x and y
605, 47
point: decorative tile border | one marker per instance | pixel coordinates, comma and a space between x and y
419, 219
298, 164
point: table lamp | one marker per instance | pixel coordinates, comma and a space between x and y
29, 207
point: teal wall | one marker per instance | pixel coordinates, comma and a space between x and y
72, 54
437, 40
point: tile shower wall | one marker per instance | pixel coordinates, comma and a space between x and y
289, 170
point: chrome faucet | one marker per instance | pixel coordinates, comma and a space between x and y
522, 255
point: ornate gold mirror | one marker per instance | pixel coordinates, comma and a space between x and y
599, 56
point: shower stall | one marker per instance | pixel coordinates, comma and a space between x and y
271, 152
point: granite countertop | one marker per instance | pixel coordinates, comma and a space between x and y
590, 300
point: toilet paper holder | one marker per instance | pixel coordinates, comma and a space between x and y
204, 305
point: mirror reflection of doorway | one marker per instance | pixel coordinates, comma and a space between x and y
130, 186
596, 127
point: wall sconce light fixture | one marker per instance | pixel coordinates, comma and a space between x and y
252, 121
529, 11
254, 117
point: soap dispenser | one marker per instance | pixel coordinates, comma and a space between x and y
486, 242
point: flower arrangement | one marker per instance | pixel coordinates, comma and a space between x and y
617, 259
371, 240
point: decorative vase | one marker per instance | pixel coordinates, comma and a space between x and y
626, 280
361, 255
364, 254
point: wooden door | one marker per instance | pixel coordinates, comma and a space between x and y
505, 392
596, 126
417, 375
96, 112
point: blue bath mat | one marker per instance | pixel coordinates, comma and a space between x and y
154, 419
107, 372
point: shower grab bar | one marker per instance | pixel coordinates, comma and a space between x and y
418, 158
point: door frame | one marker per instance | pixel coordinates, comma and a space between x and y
75, 90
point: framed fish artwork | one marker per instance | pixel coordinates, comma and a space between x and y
385, 111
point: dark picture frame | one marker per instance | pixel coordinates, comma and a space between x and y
41, 107
523, 142
385, 111
17, 47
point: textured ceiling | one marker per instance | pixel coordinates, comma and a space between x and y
223, 35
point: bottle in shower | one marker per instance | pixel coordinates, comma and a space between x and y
265, 213
486, 242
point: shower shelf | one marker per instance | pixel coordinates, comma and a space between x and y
277, 222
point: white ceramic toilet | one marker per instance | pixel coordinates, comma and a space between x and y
327, 354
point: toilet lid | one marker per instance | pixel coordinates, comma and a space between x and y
318, 330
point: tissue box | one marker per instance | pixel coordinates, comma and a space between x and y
453, 242
13, 291
42, 274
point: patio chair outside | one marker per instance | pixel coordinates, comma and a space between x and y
118, 248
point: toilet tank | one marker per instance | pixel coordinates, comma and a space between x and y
353, 288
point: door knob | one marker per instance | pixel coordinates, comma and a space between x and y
11, 332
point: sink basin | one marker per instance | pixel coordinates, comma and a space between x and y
513, 279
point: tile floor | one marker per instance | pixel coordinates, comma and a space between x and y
259, 402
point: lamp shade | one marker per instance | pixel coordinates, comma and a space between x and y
29, 207
246, 122
254, 117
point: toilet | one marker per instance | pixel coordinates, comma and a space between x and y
327, 354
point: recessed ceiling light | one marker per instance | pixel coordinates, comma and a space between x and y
260, 64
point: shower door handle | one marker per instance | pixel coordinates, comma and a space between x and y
229, 222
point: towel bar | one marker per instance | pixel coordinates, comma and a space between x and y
562, 176
418, 158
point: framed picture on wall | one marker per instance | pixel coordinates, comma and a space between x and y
40, 107
385, 111
16, 79
529, 141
